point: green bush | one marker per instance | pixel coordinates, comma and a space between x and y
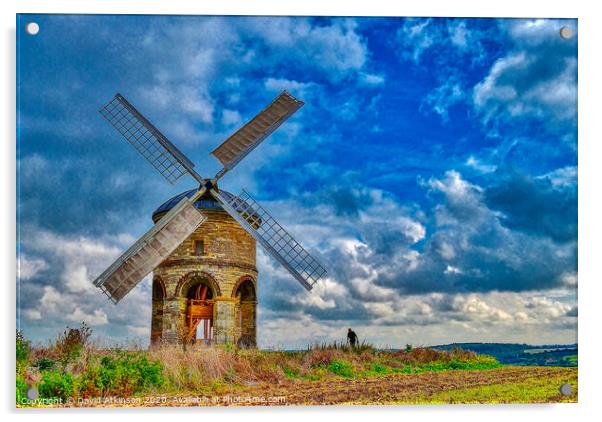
23, 349
21, 388
44, 364
121, 375
56, 384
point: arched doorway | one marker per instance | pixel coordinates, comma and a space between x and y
199, 310
246, 304
158, 298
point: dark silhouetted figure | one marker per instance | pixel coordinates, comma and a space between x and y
351, 337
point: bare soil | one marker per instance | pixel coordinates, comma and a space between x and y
390, 389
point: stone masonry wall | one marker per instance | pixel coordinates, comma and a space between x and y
229, 256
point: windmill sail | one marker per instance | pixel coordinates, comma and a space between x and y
150, 250
147, 140
243, 141
159, 242
270, 234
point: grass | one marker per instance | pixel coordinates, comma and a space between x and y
534, 390
72, 368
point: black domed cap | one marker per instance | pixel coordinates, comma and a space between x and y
205, 202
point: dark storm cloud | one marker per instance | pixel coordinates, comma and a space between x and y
467, 249
76, 195
535, 206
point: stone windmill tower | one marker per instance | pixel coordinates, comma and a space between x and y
202, 246
207, 287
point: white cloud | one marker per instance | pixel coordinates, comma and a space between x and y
479, 165
548, 308
29, 268
569, 279
68, 293
476, 308
450, 269
32, 314
52, 300
459, 34
451, 37
537, 78
97, 317
371, 79
454, 187
443, 97
231, 118
304, 90
464, 200
316, 297
82, 258
334, 49
562, 177
416, 37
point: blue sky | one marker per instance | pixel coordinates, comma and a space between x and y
433, 168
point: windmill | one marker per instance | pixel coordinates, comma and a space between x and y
183, 219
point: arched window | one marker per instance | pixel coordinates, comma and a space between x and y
199, 309
244, 292
158, 296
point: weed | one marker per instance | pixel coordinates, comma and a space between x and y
122, 375
341, 368
56, 384
71, 342
290, 373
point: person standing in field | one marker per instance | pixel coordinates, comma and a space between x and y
351, 337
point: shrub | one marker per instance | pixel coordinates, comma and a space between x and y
21, 388
44, 364
56, 384
23, 349
22, 360
71, 342
121, 375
